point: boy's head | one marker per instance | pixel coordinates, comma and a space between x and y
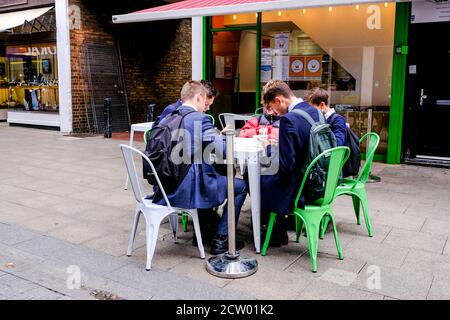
212, 93
318, 97
194, 93
277, 96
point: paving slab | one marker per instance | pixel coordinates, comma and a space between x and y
170, 286
320, 289
51, 248
394, 282
10, 235
416, 240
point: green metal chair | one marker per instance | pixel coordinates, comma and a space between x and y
259, 111
356, 187
311, 216
212, 118
147, 132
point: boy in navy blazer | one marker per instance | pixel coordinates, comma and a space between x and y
318, 97
279, 190
203, 187
210, 96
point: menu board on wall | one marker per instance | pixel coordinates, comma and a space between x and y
430, 11
220, 67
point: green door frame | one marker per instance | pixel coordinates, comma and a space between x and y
207, 51
402, 17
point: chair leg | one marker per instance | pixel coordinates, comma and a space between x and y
173, 220
298, 227
152, 236
198, 233
312, 232
336, 236
133, 232
356, 206
184, 220
323, 226
365, 206
268, 233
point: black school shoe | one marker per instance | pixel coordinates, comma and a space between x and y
277, 238
219, 244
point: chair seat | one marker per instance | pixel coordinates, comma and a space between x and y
311, 208
347, 185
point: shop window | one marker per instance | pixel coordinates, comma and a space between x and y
28, 66
31, 77
346, 49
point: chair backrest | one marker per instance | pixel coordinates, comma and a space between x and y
259, 111
228, 119
212, 118
373, 141
338, 156
147, 132
136, 183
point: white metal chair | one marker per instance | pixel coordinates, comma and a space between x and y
229, 119
153, 213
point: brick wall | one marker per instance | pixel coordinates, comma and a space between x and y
90, 31
156, 63
156, 57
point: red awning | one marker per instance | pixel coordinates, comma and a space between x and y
198, 8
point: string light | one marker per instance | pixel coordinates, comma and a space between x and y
304, 11
357, 7
234, 17
330, 9
385, 4
256, 15
279, 13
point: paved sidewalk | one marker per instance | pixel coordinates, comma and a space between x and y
63, 207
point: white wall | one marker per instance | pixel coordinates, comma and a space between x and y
197, 52
64, 67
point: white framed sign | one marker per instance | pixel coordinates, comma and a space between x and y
430, 11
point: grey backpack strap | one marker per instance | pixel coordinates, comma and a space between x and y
306, 116
321, 117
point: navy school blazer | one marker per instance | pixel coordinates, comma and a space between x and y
279, 190
339, 128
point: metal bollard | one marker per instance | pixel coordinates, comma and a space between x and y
107, 117
230, 203
372, 178
230, 264
150, 112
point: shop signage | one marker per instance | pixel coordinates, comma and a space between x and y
305, 68
430, 11
10, 3
297, 68
282, 42
32, 51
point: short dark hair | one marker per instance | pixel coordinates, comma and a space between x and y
212, 91
275, 88
317, 95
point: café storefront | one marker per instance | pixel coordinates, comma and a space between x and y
354, 50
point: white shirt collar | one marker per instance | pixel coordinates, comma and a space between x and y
189, 105
329, 113
294, 103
